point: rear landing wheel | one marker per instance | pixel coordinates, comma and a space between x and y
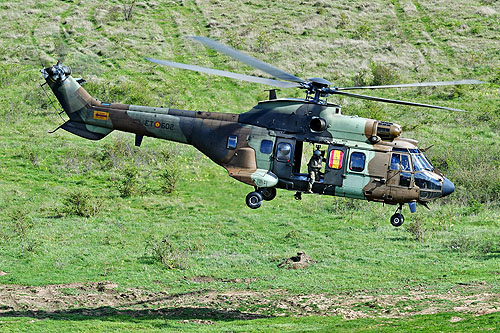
254, 200
397, 219
268, 193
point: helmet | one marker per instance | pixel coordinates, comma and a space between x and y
317, 153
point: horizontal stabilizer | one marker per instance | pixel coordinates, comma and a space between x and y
86, 131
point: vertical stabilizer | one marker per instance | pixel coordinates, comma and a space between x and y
74, 100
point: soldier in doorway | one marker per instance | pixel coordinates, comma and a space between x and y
314, 168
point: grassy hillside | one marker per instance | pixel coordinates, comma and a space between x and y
75, 211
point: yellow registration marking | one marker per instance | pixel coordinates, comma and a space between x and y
101, 115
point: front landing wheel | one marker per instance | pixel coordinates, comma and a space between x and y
254, 200
397, 219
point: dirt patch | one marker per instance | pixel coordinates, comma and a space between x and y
104, 299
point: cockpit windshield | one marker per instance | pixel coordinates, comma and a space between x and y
421, 163
418, 159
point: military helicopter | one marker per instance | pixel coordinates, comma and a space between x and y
364, 158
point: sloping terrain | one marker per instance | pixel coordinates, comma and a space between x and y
108, 230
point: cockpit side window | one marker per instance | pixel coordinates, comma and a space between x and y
405, 163
400, 162
395, 161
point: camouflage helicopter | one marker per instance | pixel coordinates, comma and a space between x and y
364, 158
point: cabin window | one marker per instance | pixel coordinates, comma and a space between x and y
335, 159
266, 146
284, 152
357, 162
232, 142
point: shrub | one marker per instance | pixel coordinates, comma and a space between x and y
382, 74
113, 154
343, 21
128, 183
363, 78
128, 10
263, 42
362, 31
81, 204
169, 253
376, 75
416, 229
474, 207
481, 242
496, 76
21, 222
168, 179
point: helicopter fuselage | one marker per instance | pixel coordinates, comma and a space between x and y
264, 147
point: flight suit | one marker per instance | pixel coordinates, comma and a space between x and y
314, 168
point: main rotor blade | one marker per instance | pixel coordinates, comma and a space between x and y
421, 84
394, 101
231, 75
251, 61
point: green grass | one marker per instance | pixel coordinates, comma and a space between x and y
208, 229
195, 320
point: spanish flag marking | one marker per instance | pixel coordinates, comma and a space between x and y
335, 160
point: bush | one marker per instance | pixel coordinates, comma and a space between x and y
496, 76
113, 154
128, 183
344, 20
383, 75
81, 204
169, 253
168, 180
481, 242
363, 78
474, 207
417, 230
475, 173
21, 222
376, 75
263, 42
362, 31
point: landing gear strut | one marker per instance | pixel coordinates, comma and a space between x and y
398, 219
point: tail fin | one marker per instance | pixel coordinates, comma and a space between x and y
75, 101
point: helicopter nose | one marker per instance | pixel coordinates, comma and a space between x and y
448, 187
